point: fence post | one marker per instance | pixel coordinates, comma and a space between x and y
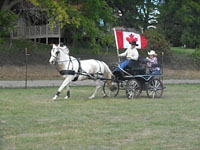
26, 58
162, 64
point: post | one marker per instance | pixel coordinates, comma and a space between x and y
46, 34
26, 61
116, 44
162, 65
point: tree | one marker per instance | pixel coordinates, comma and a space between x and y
7, 16
157, 42
6, 22
135, 14
180, 22
82, 16
147, 13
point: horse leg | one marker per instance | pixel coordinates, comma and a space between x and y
68, 92
98, 85
65, 82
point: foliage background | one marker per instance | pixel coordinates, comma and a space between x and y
88, 24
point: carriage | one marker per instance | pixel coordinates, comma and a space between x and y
134, 79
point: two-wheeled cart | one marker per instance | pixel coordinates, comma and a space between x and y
134, 79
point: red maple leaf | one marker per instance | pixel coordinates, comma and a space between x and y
131, 38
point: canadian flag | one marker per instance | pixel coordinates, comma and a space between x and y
123, 39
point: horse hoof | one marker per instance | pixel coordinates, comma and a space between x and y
104, 96
66, 97
91, 97
54, 98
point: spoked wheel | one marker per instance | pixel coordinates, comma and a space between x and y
133, 89
111, 88
154, 88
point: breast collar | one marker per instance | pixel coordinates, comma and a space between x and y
70, 71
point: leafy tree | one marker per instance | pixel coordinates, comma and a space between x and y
180, 22
135, 14
6, 22
147, 13
157, 42
7, 16
83, 17
196, 57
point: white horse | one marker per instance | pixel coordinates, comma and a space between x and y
72, 69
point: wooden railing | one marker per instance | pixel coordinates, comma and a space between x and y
34, 32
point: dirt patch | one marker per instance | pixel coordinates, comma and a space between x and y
181, 74
34, 72
49, 72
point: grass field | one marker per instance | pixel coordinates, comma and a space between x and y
30, 120
182, 51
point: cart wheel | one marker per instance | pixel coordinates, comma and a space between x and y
111, 90
133, 89
154, 88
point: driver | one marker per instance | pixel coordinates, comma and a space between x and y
131, 54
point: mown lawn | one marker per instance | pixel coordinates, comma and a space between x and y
182, 51
30, 120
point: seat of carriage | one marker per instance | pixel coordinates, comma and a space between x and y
136, 67
133, 68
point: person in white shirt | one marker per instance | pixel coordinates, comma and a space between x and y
130, 54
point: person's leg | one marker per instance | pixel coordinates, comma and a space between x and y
122, 65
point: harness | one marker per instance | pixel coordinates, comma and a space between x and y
80, 70
70, 72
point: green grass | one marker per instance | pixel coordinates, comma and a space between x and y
30, 120
182, 51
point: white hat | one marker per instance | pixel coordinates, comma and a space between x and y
152, 52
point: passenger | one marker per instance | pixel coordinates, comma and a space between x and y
131, 54
152, 59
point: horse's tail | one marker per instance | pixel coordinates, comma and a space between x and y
108, 73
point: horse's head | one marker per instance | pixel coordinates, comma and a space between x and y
57, 53
54, 54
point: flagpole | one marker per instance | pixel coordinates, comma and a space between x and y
116, 44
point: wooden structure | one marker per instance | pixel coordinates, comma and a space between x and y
33, 24
36, 32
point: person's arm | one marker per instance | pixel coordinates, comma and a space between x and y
155, 60
123, 54
147, 58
